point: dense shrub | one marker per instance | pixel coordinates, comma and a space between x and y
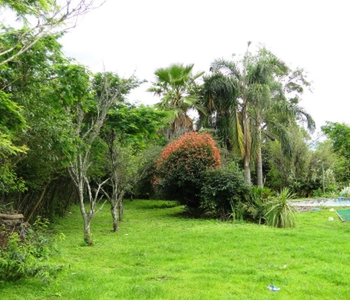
23, 257
225, 192
257, 204
181, 166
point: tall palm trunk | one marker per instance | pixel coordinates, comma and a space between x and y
259, 155
247, 147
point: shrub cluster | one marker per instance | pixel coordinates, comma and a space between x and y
224, 191
188, 171
23, 257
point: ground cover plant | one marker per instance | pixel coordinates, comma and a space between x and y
159, 254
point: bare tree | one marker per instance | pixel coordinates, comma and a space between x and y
109, 90
39, 19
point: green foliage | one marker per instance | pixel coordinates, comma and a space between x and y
23, 255
181, 167
279, 212
179, 92
32, 7
224, 191
248, 100
257, 204
305, 170
137, 127
339, 135
143, 188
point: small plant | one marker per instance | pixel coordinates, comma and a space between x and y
279, 212
259, 197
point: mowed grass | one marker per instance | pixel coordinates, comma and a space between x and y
159, 254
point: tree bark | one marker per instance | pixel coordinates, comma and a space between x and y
121, 209
247, 146
114, 216
259, 158
87, 233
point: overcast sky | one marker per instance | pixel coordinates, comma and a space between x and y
127, 36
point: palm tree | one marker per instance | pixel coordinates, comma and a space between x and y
257, 87
274, 110
177, 87
219, 97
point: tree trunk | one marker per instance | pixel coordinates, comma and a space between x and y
87, 233
37, 203
121, 209
115, 217
259, 158
247, 173
259, 167
247, 147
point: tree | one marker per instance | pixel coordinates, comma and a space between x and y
177, 87
339, 135
256, 84
220, 100
28, 84
40, 18
89, 116
137, 126
308, 171
128, 131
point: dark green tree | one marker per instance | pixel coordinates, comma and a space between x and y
339, 135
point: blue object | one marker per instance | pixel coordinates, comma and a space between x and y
273, 288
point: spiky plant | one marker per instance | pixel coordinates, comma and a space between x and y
279, 212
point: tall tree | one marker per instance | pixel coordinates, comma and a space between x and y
177, 87
29, 83
257, 82
90, 114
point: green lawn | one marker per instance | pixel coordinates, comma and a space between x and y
158, 254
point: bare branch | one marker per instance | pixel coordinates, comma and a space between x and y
63, 15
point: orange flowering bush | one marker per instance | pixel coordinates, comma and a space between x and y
181, 167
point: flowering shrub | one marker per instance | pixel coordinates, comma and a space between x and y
181, 166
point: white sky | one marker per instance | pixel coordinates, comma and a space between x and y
124, 36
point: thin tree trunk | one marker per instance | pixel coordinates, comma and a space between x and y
259, 167
247, 173
247, 147
114, 216
259, 158
121, 209
37, 203
87, 233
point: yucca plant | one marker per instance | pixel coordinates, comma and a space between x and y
279, 212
